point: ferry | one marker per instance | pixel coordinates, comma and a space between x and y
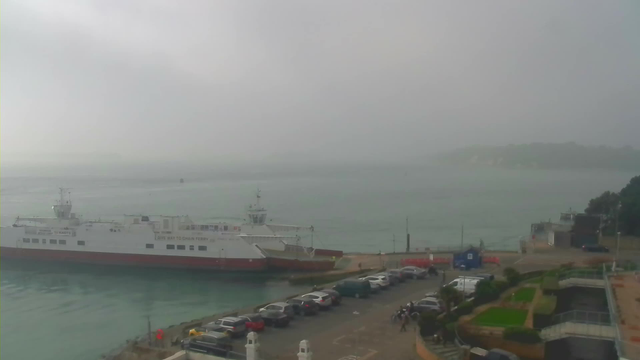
163, 241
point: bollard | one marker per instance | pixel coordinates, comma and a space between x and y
305, 350
252, 346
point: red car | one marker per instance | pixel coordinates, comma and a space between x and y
254, 322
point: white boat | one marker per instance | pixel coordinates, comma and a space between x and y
162, 241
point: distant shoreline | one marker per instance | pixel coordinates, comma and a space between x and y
547, 156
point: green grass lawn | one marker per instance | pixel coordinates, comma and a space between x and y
524, 294
501, 317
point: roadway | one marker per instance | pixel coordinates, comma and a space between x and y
358, 328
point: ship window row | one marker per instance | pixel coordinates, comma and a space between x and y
181, 247
205, 227
51, 241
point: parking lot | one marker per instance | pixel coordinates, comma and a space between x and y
358, 328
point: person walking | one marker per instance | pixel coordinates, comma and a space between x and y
405, 321
444, 277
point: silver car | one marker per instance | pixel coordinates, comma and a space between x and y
282, 307
235, 325
322, 299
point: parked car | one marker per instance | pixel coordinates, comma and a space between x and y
304, 306
382, 277
393, 280
397, 273
210, 343
274, 318
236, 325
384, 284
595, 248
283, 307
433, 294
336, 298
414, 272
375, 288
489, 277
209, 328
465, 284
321, 298
253, 322
433, 305
353, 287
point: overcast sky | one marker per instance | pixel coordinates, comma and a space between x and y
314, 79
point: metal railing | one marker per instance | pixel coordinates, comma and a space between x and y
615, 321
583, 317
558, 331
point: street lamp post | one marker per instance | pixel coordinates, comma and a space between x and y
617, 232
617, 246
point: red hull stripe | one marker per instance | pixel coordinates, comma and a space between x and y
293, 264
134, 259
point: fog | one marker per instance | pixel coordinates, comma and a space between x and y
289, 80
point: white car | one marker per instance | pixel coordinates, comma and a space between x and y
384, 284
465, 284
322, 299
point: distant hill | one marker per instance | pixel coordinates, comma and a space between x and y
546, 156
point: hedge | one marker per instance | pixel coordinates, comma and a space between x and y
485, 292
428, 323
501, 285
532, 274
465, 308
550, 284
546, 305
521, 335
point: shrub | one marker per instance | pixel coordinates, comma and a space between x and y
465, 308
550, 284
531, 274
546, 305
512, 275
522, 335
447, 318
450, 296
501, 285
450, 331
485, 292
428, 324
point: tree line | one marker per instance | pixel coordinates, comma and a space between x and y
619, 209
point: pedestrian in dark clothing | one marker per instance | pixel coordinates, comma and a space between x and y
444, 277
405, 321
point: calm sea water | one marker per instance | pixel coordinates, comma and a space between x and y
81, 312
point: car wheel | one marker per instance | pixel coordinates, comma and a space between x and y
357, 296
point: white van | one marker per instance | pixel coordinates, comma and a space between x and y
465, 284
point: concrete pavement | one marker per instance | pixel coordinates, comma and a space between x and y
358, 328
